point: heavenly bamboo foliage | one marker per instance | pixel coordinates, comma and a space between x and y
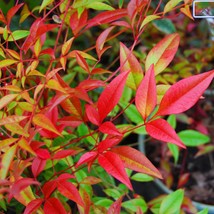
76, 78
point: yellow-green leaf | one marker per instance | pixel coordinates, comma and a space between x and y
148, 19
7, 62
6, 161
66, 46
170, 5
15, 128
24, 145
24, 14
99, 6
7, 99
53, 84
44, 122
7, 142
18, 34
45, 3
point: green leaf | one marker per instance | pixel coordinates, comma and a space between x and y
204, 211
99, 6
18, 34
172, 120
132, 113
148, 19
172, 203
174, 150
142, 177
45, 3
133, 204
104, 202
165, 26
114, 193
193, 138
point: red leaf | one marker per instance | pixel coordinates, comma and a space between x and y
37, 166
109, 128
115, 167
107, 143
101, 41
65, 176
32, 37
136, 160
160, 129
106, 17
20, 185
12, 12
43, 154
116, 206
111, 95
33, 206
146, 96
87, 157
77, 23
64, 153
92, 115
54, 206
90, 84
48, 188
70, 191
184, 94
48, 51
82, 62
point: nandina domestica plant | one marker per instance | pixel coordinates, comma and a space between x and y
63, 94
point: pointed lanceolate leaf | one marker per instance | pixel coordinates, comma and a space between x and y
136, 160
53, 205
107, 143
6, 161
12, 11
163, 53
7, 62
106, 17
12, 119
44, 122
116, 206
129, 62
184, 94
109, 128
87, 157
101, 41
20, 185
146, 96
92, 115
37, 166
111, 95
161, 130
115, 167
70, 191
33, 206
7, 99
172, 202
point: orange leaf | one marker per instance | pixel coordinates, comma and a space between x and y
136, 160
7, 99
42, 121
24, 145
146, 96
12, 119
163, 53
66, 46
185, 10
